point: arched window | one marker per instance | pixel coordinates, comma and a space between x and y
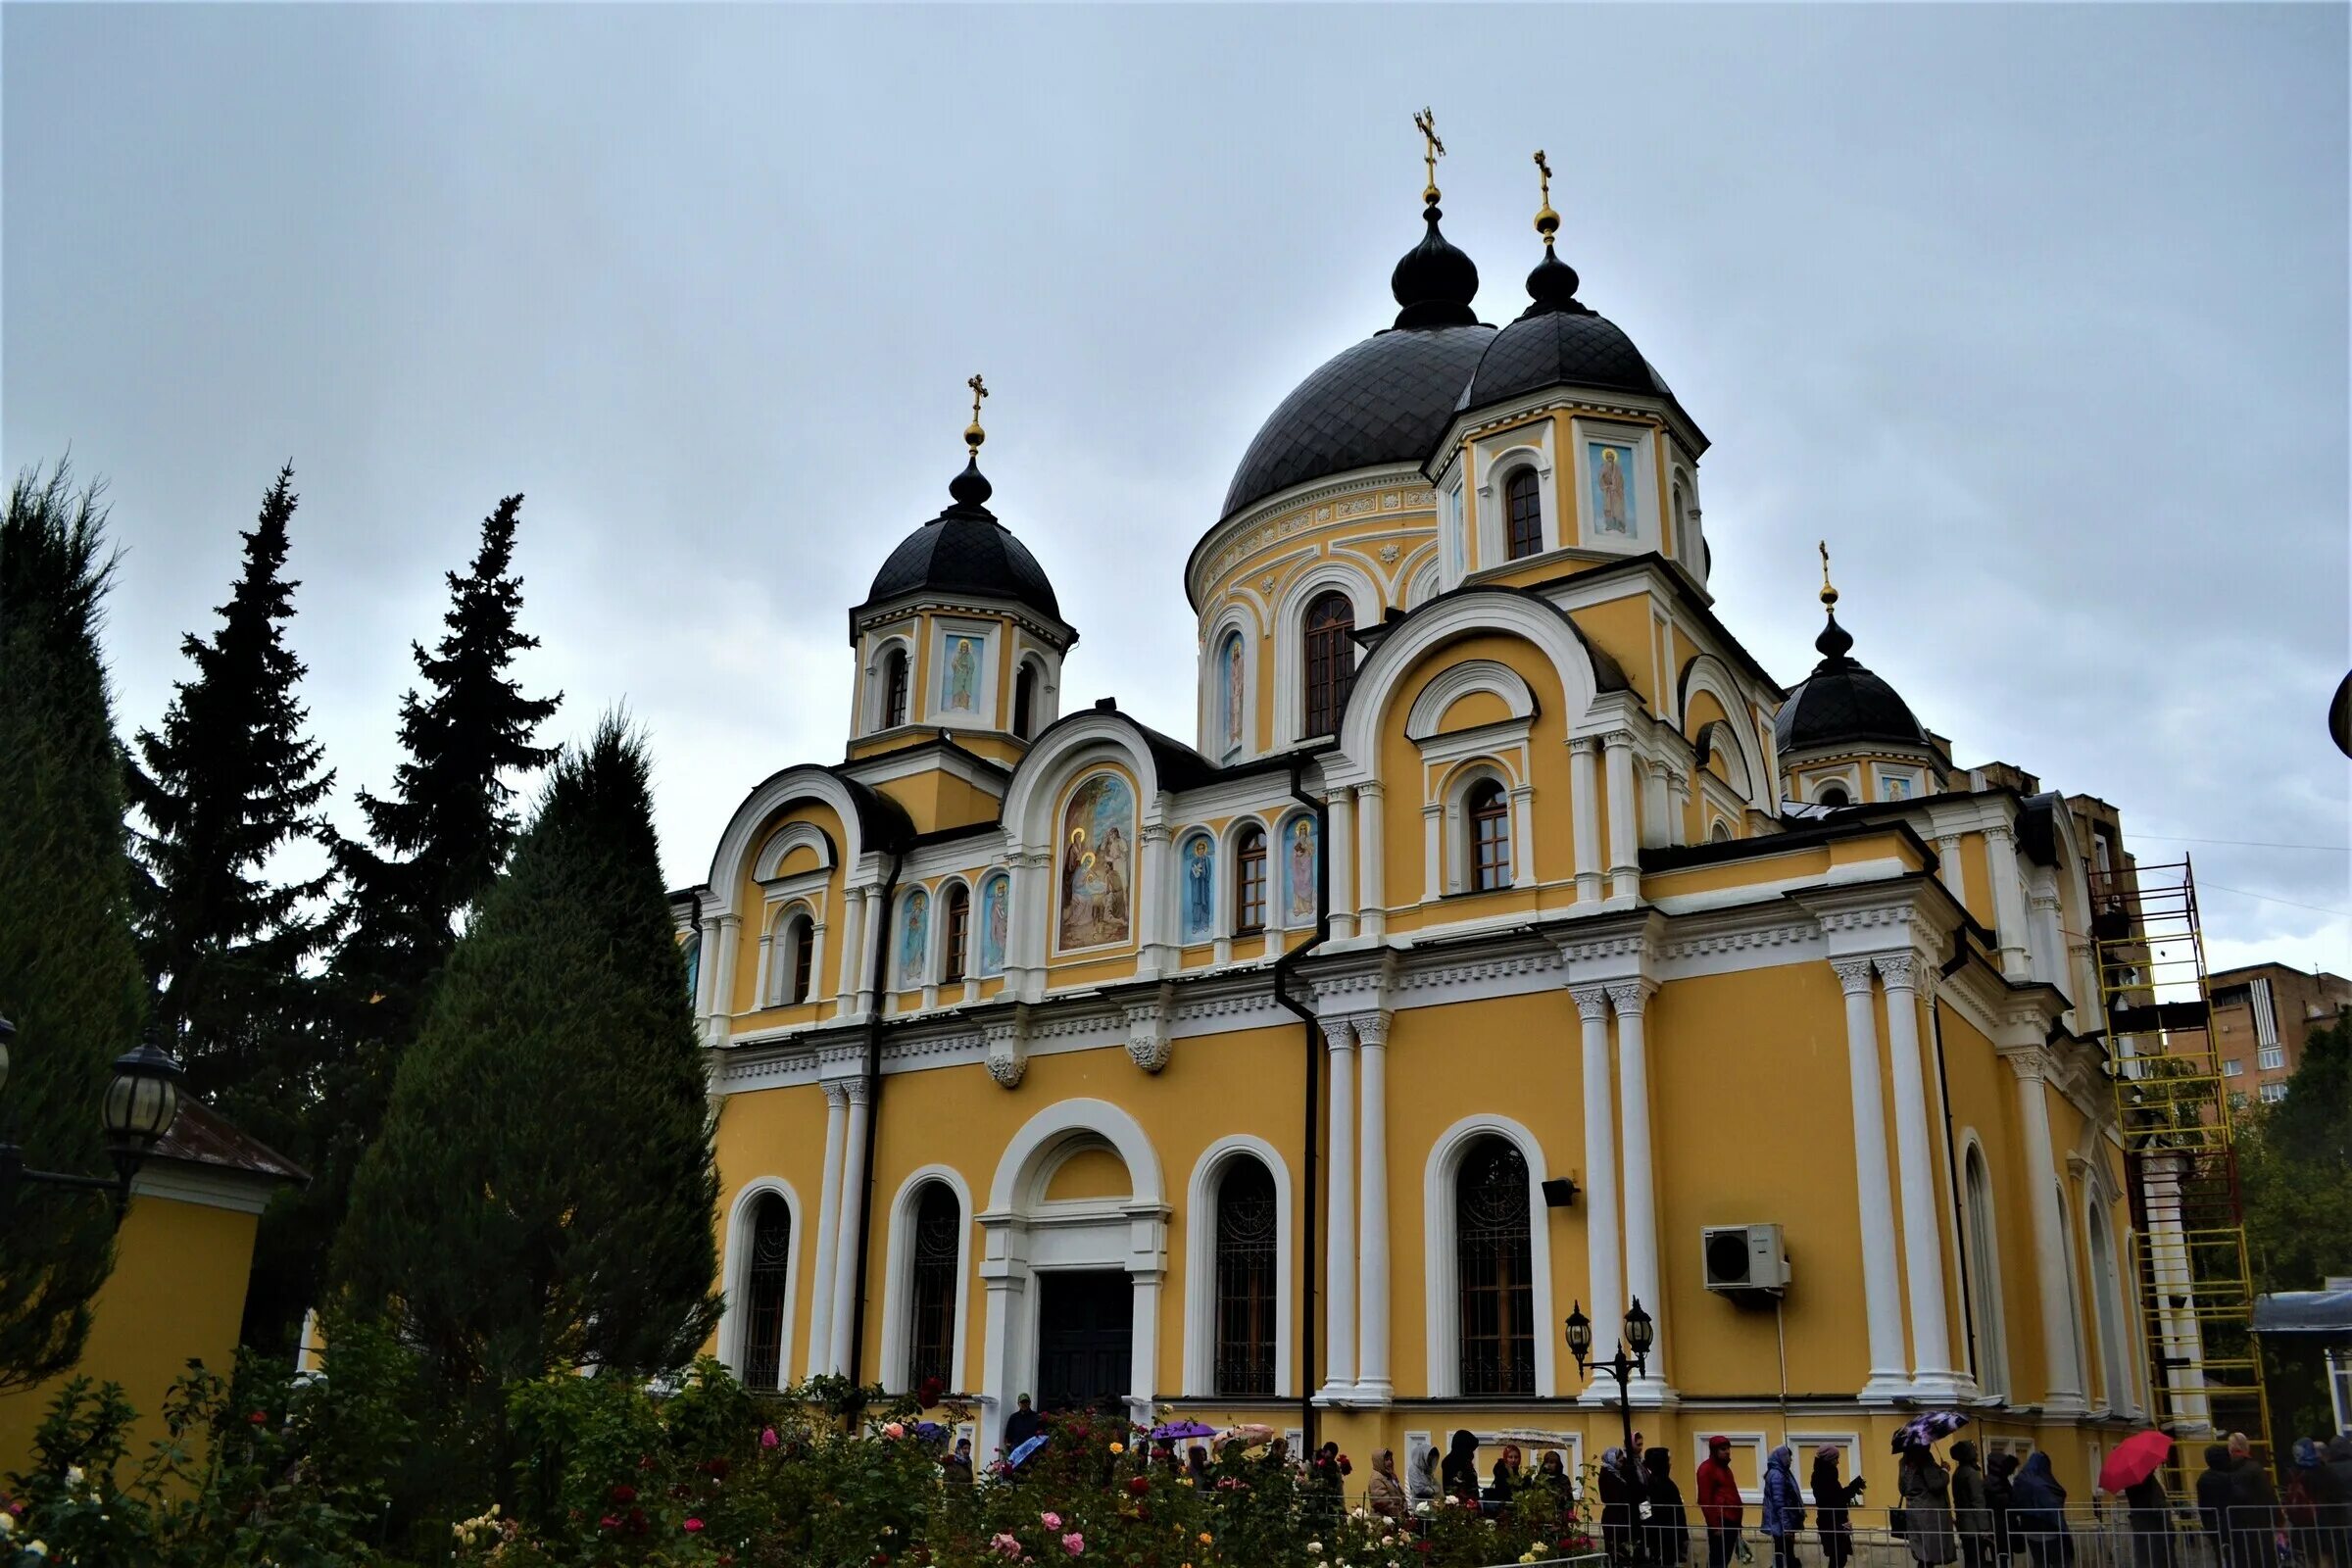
1246, 1216
765, 1278
959, 932
1834, 795
1025, 700
1523, 511
1330, 661
694, 970
1680, 543
894, 688
1490, 816
1494, 1270
1722, 834
793, 960
1984, 1278
933, 1281
2114, 1377
1250, 882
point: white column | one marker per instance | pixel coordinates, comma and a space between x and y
1005, 1278
2008, 901
1953, 868
761, 982
2050, 1241
1339, 1216
1678, 809
1372, 1213
1583, 810
1607, 1303
852, 909
1523, 837
872, 933
1625, 859
1654, 807
1143, 1343
1341, 849
706, 977
853, 1216
1372, 917
828, 1220
1155, 940
1882, 1287
1642, 1281
1933, 1375
723, 992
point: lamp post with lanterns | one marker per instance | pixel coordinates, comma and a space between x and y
141, 1101
1630, 1361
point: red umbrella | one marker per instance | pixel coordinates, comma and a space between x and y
2134, 1460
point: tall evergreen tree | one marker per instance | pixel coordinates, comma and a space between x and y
542, 1191
70, 977
228, 780
439, 839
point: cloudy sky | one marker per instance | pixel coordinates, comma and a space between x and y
2038, 315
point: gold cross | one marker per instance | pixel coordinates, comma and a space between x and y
1548, 221
973, 435
1829, 595
1431, 150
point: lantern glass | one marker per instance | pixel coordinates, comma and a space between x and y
1579, 1332
1639, 1331
143, 1098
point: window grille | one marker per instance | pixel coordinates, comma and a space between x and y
764, 1292
1330, 661
1494, 1265
1246, 1230
938, 1255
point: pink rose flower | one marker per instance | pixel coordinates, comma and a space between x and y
694, 1526
894, 1429
1051, 1521
767, 1437
1074, 1544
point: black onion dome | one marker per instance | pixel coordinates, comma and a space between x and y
1841, 704
1559, 341
966, 550
1435, 282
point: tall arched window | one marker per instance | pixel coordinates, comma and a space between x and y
1984, 1278
1494, 1270
1680, 543
894, 688
1246, 1216
2106, 1297
765, 1278
1250, 882
958, 933
1330, 661
1488, 812
933, 1281
793, 960
1523, 511
1024, 698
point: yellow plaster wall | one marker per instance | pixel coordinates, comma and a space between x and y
1091, 1170
177, 1292
1622, 626
779, 1133
1984, 1097
1472, 710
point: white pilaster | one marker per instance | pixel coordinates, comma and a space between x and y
1339, 1241
1601, 1182
1953, 868
2050, 1273
871, 934
1625, 860
722, 993
763, 983
1523, 836
845, 990
1155, 952
1678, 807
1933, 1375
706, 977
828, 1224
1654, 807
1372, 1382
853, 1217
1642, 1281
2008, 901
1583, 810
1341, 849
1882, 1287
1372, 916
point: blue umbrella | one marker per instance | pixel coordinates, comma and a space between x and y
1027, 1448
1931, 1428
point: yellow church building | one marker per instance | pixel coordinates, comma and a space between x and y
1505, 939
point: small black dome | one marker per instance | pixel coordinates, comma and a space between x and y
1842, 704
1560, 348
1435, 281
966, 550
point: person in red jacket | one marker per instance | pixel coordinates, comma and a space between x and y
1719, 1502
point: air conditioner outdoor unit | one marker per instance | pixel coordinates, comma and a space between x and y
1744, 1259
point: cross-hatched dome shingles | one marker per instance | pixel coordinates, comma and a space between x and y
1560, 348
1842, 702
966, 550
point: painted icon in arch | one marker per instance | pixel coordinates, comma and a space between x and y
960, 681
1098, 834
1299, 871
1200, 864
1614, 507
996, 924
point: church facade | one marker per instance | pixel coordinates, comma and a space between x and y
1504, 941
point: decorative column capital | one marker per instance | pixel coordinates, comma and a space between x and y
1583, 745
1147, 1039
1618, 740
1999, 833
836, 1095
1371, 1029
1154, 832
1370, 790
1629, 997
1853, 975
1592, 1001
1896, 970
859, 1091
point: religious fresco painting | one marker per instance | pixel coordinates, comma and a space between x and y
1611, 465
996, 921
1196, 863
914, 934
1098, 835
1232, 690
959, 675
1299, 871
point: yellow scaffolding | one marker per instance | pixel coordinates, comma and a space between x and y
2195, 1293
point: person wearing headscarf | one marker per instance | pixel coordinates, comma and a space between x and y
1616, 1506
1926, 1487
1833, 1499
2214, 1490
1459, 1474
1667, 1531
1719, 1502
1384, 1494
1422, 1484
2037, 1513
1783, 1505
1972, 1507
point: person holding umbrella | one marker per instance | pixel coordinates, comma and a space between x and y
2130, 1471
1925, 1486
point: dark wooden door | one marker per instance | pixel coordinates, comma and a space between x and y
1085, 1339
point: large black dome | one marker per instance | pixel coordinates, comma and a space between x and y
1385, 400
966, 550
1842, 702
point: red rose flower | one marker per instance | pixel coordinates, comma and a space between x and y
624, 1492
260, 1418
1137, 1486
608, 1522
693, 1527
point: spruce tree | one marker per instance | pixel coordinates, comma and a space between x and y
226, 782
70, 977
542, 1191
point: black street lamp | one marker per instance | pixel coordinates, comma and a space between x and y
141, 1101
1630, 1361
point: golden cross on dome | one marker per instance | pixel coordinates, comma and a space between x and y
1548, 221
1829, 595
973, 435
1431, 150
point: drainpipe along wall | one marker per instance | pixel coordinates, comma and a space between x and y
1309, 1252
873, 1119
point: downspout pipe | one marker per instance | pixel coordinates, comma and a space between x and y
873, 1119
1310, 1252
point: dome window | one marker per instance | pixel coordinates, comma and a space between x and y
1025, 700
1834, 795
1330, 661
894, 688
1523, 499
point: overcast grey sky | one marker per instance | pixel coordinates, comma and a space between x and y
2037, 314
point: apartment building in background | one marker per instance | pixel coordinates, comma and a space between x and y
2262, 1016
